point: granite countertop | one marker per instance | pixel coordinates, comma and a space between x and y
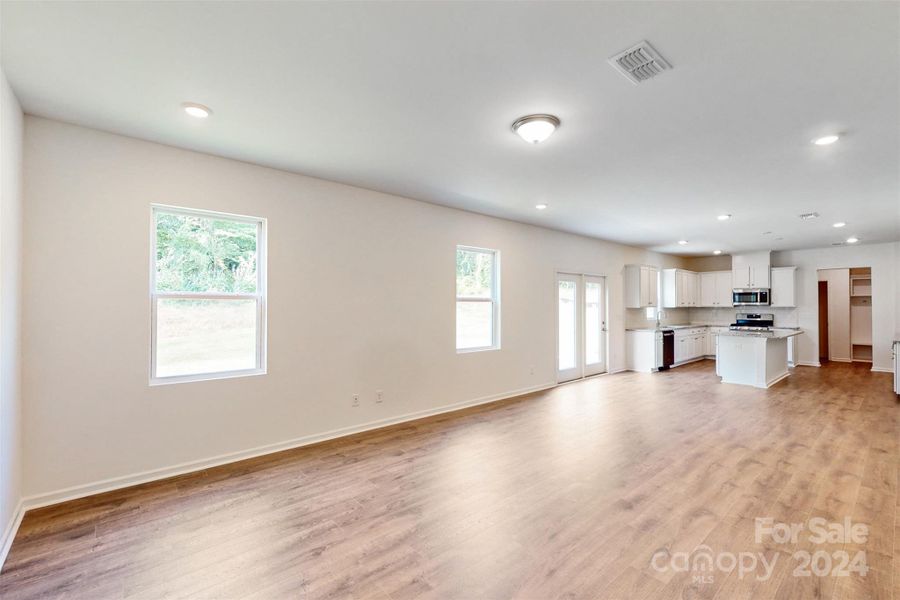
680, 326
775, 334
692, 325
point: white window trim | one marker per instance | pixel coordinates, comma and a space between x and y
259, 296
494, 299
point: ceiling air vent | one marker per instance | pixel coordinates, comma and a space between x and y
639, 63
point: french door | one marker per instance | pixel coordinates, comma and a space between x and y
581, 326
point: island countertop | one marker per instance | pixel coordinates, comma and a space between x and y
775, 334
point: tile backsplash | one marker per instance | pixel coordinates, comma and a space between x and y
636, 318
784, 317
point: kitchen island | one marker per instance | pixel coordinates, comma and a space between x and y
757, 358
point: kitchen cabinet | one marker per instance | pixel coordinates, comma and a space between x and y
643, 350
713, 341
715, 289
750, 270
896, 356
707, 289
641, 286
691, 344
680, 288
784, 286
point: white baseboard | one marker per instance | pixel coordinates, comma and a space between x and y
882, 370
115, 483
777, 379
806, 363
10, 533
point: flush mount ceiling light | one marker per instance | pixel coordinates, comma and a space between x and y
717, 252
198, 111
839, 224
682, 242
808, 216
825, 140
541, 206
852, 240
723, 217
535, 128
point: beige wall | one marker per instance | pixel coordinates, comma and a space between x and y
704, 264
10, 311
361, 297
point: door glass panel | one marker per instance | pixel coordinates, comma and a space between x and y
567, 322
592, 323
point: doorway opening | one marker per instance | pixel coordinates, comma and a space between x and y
581, 340
845, 314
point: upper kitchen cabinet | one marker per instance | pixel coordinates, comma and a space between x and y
715, 289
750, 270
680, 288
784, 285
641, 286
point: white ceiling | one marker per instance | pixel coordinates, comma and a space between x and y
417, 99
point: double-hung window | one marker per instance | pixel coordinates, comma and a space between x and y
477, 299
207, 295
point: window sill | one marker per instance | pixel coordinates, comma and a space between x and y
155, 381
471, 350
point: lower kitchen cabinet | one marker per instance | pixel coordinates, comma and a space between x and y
691, 344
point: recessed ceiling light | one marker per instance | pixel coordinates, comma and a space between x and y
717, 252
826, 140
540, 206
198, 111
809, 215
852, 240
839, 224
535, 128
682, 242
723, 217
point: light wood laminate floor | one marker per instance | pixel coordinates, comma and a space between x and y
568, 493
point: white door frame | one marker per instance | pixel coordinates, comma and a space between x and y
580, 369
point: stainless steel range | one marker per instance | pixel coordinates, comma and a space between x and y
753, 322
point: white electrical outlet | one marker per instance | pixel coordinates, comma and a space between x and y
355, 400
532, 369
379, 396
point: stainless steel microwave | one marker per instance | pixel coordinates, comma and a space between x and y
750, 297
